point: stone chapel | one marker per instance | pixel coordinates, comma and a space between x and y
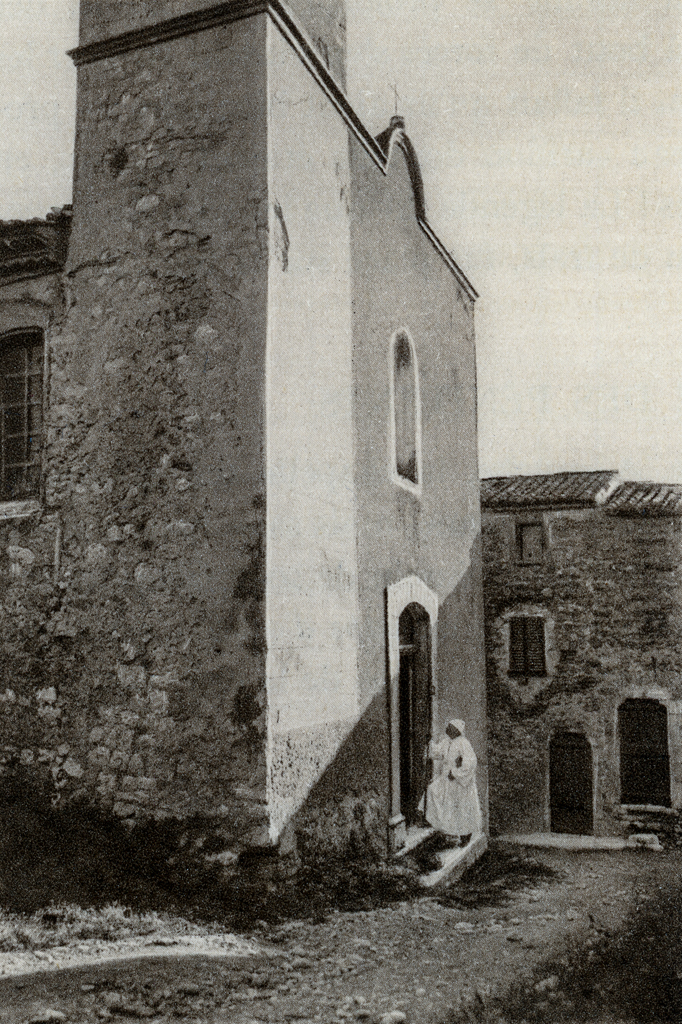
239, 520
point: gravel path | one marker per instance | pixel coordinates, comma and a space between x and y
564, 949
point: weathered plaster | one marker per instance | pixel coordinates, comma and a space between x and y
400, 281
311, 598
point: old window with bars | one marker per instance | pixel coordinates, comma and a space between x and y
21, 422
527, 646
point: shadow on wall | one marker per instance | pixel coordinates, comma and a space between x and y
347, 810
461, 662
83, 853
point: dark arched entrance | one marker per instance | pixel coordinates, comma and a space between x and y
414, 641
570, 784
644, 761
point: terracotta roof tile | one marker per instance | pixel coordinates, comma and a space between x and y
29, 248
642, 498
572, 490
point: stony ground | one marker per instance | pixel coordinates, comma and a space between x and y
526, 936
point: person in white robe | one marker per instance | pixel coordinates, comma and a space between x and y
450, 804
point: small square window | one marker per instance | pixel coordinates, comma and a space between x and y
530, 543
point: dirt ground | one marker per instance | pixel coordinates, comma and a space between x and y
526, 935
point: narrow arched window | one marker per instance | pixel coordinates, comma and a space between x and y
405, 412
21, 414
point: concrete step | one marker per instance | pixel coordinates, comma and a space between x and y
454, 861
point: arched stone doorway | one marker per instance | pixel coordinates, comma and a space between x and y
414, 640
411, 623
570, 784
644, 758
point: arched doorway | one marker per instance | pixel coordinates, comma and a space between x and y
570, 784
414, 641
644, 760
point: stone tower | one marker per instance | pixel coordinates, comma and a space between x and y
197, 267
324, 21
259, 455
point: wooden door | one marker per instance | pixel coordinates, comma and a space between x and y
644, 760
415, 707
570, 784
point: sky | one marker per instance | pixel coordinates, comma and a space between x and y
550, 140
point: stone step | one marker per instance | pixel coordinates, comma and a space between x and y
566, 841
415, 837
454, 861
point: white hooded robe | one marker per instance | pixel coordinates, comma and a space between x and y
451, 804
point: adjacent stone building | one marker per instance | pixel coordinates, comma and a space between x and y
242, 578
583, 607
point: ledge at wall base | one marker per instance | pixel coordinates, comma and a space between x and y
564, 841
455, 862
648, 809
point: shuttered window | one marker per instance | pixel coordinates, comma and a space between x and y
21, 414
527, 646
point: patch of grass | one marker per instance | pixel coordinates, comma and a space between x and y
66, 924
55, 866
632, 974
314, 892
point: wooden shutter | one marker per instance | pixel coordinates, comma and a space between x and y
517, 646
535, 646
527, 646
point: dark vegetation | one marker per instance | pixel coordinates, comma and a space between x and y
496, 877
54, 865
632, 975
82, 857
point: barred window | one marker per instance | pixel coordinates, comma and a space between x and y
21, 427
527, 646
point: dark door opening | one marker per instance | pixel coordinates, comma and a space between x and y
644, 760
415, 707
570, 784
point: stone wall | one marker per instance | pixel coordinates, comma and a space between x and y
133, 626
610, 591
217, 421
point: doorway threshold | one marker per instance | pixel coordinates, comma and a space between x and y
566, 841
416, 835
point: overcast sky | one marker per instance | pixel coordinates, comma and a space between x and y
550, 140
